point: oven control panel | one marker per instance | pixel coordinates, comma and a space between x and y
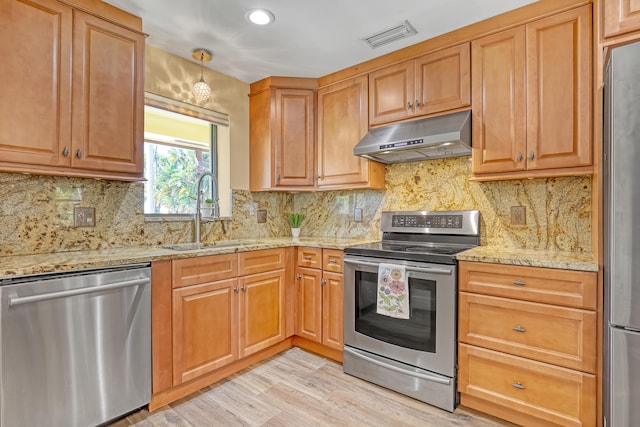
426, 221
457, 223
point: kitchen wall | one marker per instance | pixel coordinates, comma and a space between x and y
558, 210
173, 77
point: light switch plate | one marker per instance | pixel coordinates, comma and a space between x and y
262, 216
518, 215
84, 217
357, 214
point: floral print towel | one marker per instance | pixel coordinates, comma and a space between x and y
393, 292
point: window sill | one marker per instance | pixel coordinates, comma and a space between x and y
180, 218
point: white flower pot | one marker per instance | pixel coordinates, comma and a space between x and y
295, 232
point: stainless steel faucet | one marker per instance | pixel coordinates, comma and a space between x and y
214, 211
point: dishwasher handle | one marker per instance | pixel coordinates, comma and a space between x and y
15, 300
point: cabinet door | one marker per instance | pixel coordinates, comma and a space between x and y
332, 310
559, 90
443, 80
205, 328
621, 16
294, 137
391, 93
35, 94
498, 101
309, 304
108, 97
262, 311
342, 123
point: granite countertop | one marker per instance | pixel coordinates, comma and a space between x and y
26, 265
531, 258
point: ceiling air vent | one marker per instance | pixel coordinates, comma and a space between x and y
389, 35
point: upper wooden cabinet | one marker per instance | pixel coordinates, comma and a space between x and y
78, 110
282, 133
432, 83
342, 123
532, 112
108, 98
620, 17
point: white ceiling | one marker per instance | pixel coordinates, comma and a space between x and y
309, 38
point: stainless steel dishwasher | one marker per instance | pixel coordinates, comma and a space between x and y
75, 347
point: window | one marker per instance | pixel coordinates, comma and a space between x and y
178, 148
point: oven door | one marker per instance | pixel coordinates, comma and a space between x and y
427, 339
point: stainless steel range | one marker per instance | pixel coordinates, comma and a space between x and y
400, 297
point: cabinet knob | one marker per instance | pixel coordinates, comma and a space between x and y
65, 152
79, 153
531, 156
298, 276
518, 385
408, 106
323, 281
244, 288
416, 104
520, 156
519, 329
236, 289
519, 283
277, 177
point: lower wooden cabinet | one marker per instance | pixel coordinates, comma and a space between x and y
527, 343
262, 311
205, 328
320, 297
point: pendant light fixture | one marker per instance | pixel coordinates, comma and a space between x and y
201, 90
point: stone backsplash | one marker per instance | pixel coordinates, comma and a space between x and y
36, 213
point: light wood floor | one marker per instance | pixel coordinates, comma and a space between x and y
296, 388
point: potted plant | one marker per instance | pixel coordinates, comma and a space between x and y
295, 221
207, 207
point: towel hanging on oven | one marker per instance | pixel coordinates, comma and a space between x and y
393, 292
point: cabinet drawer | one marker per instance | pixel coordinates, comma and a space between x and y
332, 260
193, 271
547, 285
310, 257
559, 335
260, 261
551, 394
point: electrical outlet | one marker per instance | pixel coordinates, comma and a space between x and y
262, 216
518, 215
357, 214
84, 217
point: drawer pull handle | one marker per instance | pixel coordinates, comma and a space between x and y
519, 283
333, 260
518, 385
519, 329
307, 257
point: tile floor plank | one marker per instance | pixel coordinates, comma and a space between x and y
297, 388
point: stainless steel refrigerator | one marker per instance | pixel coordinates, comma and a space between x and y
621, 215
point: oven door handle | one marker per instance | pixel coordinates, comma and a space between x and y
408, 269
396, 369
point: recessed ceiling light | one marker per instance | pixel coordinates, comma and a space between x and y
260, 16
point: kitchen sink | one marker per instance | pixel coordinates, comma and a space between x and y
197, 246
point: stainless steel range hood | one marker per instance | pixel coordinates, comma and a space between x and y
424, 139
